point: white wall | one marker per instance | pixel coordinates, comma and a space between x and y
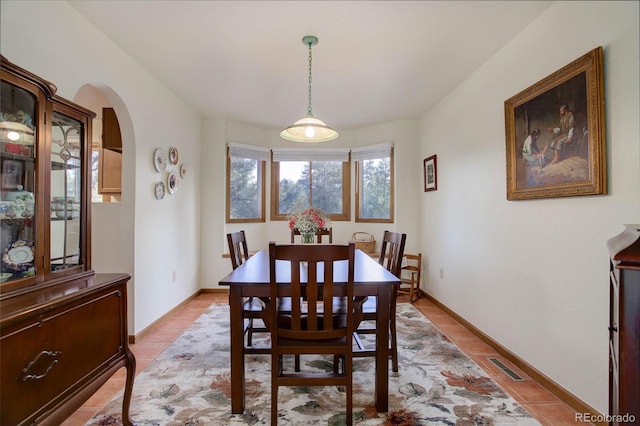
533, 274
164, 234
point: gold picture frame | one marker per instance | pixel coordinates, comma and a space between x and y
555, 134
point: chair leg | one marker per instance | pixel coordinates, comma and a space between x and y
394, 337
347, 367
274, 404
276, 367
394, 347
250, 332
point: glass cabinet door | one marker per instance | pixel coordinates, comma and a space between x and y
18, 115
66, 191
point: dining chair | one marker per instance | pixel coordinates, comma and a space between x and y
391, 253
313, 325
319, 234
410, 278
238, 250
253, 307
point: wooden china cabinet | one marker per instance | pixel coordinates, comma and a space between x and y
63, 328
624, 327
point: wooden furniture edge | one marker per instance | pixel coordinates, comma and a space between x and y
226, 255
220, 290
76, 400
564, 395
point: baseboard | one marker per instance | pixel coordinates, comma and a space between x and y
150, 327
564, 395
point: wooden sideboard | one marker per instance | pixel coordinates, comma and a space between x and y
60, 343
624, 327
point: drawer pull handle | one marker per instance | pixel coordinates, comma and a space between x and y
53, 355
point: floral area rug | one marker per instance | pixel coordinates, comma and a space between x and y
189, 384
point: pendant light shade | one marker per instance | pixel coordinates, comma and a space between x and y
309, 128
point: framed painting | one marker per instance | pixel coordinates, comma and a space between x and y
555, 134
430, 173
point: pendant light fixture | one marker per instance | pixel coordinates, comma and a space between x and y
309, 128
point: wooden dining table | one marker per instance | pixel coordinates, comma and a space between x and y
251, 279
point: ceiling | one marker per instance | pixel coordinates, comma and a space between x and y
376, 61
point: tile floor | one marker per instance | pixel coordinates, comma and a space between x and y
539, 402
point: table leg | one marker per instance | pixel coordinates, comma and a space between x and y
237, 350
382, 349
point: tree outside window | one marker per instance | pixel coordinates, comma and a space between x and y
374, 190
301, 184
245, 189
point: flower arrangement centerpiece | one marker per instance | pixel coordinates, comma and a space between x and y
308, 221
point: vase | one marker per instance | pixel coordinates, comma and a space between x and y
308, 237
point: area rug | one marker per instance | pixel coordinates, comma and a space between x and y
189, 384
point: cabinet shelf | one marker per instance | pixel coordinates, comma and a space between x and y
61, 166
17, 157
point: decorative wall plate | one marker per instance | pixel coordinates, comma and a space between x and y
172, 182
160, 159
18, 256
159, 189
183, 171
173, 155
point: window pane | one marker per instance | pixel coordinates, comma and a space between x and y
326, 187
320, 181
244, 188
293, 185
375, 189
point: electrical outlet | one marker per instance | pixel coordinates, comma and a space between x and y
174, 276
441, 273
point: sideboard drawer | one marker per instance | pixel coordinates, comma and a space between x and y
50, 355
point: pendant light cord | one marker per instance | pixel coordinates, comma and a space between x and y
309, 128
309, 113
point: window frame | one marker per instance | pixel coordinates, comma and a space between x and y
276, 215
262, 168
358, 172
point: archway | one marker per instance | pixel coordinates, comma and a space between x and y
112, 224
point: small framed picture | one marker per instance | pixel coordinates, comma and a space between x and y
430, 174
